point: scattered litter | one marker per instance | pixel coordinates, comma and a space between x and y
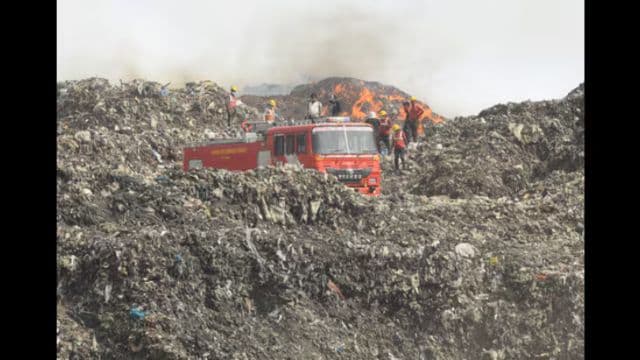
137, 314
333, 287
261, 248
466, 250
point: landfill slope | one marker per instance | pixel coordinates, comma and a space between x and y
501, 151
287, 263
357, 98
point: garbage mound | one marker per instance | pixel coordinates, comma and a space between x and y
287, 196
357, 99
139, 125
154, 262
502, 150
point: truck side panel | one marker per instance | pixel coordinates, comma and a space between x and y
240, 156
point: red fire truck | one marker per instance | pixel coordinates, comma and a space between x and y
335, 146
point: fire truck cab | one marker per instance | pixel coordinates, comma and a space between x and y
336, 146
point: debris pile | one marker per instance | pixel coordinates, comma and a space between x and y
502, 150
357, 98
141, 124
284, 262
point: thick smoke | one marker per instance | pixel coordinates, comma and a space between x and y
458, 56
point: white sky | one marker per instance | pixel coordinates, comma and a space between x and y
460, 56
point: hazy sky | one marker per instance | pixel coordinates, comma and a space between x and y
460, 56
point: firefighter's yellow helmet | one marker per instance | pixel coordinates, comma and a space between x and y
272, 102
396, 127
382, 113
234, 88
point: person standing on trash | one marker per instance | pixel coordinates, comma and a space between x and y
413, 115
373, 120
270, 114
232, 105
399, 140
334, 106
164, 90
384, 131
314, 108
164, 94
406, 127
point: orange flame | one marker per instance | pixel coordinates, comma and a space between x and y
368, 101
397, 98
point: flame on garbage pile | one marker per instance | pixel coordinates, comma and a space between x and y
368, 99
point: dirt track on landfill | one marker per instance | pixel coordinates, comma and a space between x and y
474, 252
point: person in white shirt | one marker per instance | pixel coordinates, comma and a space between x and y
270, 114
232, 105
314, 109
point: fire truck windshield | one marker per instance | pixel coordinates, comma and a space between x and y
344, 140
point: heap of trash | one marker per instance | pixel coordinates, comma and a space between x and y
357, 98
141, 124
501, 151
287, 263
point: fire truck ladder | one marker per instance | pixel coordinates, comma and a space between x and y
262, 126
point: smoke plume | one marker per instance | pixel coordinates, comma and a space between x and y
458, 56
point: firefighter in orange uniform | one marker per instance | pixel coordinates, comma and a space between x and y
270, 112
413, 114
399, 140
385, 130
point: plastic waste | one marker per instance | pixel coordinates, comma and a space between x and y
137, 314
